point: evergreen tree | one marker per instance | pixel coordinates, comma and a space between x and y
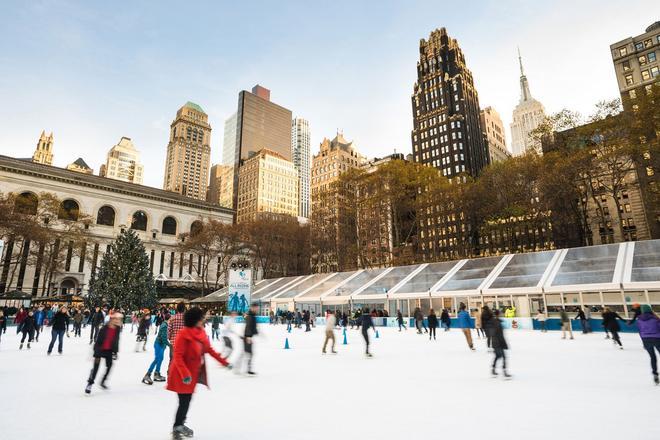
124, 279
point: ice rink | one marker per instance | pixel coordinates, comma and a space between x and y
412, 388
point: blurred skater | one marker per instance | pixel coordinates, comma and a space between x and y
565, 324
215, 326
499, 344
250, 332
27, 329
465, 323
477, 324
433, 323
105, 347
95, 320
649, 330
188, 366
160, 344
399, 320
227, 331
612, 325
486, 318
366, 323
445, 320
143, 332
540, 317
330, 323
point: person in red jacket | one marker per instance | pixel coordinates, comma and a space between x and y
188, 367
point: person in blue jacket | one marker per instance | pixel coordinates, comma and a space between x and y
465, 323
39, 317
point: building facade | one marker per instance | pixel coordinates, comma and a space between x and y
527, 116
260, 123
220, 185
267, 184
188, 153
123, 163
44, 151
637, 71
300, 155
156, 215
493, 128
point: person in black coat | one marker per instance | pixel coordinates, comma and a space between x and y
59, 323
399, 320
433, 323
251, 331
486, 318
95, 321
612, 325
583, 319
366, 322
28, 328
445, 319
499, 343
106, 347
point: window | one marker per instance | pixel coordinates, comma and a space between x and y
625, 66
195, 227
639, 46
632, 94
26, 203
642, 59
623, 51
139, 221
645, 75
655, 71
629, 80
105, 216
648, 43
650, 57
69, 210
169, 226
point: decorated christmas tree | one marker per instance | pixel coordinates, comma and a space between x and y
124, 279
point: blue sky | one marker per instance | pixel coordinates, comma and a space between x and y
93, 71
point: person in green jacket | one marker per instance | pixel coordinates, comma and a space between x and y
215, 325
159, 352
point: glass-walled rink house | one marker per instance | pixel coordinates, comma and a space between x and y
613, 275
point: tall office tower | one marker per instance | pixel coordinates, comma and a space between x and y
527, 116
44, 151
447, 130
267, 185
123, 163
219, 192
260, 123
188, 153
493, 128
300, 154
637, 71
447, 135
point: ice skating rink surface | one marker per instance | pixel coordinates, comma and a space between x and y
411, 388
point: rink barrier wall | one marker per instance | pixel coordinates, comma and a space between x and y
596, 325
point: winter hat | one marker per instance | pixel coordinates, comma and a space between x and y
646, 308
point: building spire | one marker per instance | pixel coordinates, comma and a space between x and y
525, 94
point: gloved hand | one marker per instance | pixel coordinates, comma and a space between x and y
187, 380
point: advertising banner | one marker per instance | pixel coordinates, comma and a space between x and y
240, 290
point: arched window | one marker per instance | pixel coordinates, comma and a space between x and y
195, 227
26, 203
169, 226
139, 221
106, 216
69, 210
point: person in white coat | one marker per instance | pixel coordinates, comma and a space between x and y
330, 323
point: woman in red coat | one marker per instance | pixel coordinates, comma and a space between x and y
188, 367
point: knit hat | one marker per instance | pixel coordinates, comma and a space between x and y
646, 308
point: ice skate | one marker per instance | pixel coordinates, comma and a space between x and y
158, 377
368, 355
177, 433
493, 373
147, 379
28, 345
88, 389
20, 347
187, 432
656, 379
104, 386
507, 376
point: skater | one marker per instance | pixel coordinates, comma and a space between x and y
499, 344
612, 325
160, 344
433, 323
250, 332
307, 318
636, 311
399, 320
227, 331
477, 324
143, 332
445, 320
3, 323
583, 319
330, 323
649, 330
587, 319
20, 317
540, 317
39, 317
27, 329
59, 323
419, 319
565, 324
367, 323
106, 347
95, 321
289, 319
486, 317
215, 326
77, 323
188, 367
135, 322
465, 322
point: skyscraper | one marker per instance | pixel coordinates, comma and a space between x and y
300, 154
447, 131
493, 128
188, 153
44, 151
123, 163
260, 123
221, 182
527, 116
